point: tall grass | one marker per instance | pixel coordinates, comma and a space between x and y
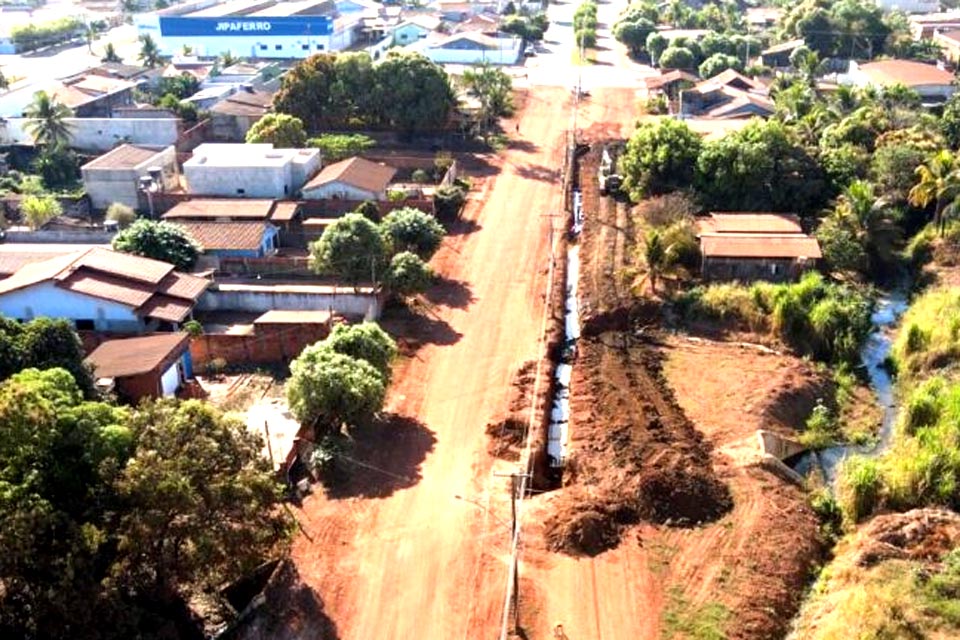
814, 317
930, 338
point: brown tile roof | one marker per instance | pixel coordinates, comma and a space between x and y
285, 211
166, 308
135, 356
108, 287
212, 208
12, 262
278, 316
953, 35
736, 222
656, 82
905, 72
357, 172
245, 103
141, 283
740, 100
789, 45
214, 236
756, 245
126, 156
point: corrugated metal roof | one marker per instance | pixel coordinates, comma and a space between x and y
107, 287
166, 308
212, 208
126, 156
135, 356
736, 222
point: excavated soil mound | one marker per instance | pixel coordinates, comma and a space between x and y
920, 534
508, 434
636, 454
683, 497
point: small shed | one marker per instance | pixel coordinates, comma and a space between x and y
144, 367
351, 179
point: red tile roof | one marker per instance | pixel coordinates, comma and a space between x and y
905, 72
107, 287
164, 307
755, 245
214, 236
135, 356
357, 172
211, 208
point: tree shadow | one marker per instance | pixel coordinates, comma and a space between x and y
519, 144
463, 227
538, 172
386, 457
450, 293
413, 329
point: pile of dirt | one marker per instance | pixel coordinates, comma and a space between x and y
920, 534
508, 434
633, 450
800, 391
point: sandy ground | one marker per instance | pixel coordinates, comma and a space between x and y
424, 554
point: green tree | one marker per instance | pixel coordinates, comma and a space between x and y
659, 157
284, 131
448, 201
110, 54
676, 58
58, 166
329, 389
718, 63
714, 43
938, 182
182, 86
416, 94
760, 168
364, 341
634, 34
950, 121
227, 59
493, 89
159, 241
39, 210
408, 275
149, 55
47, 117
410, 229
334, 147
656, 45
202, 502
352, 248
656, 257
305, 92
892, 169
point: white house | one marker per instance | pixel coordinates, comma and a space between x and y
909, 6
102, 290
471, 48
249, 170
351, 179
935, 85
115, 176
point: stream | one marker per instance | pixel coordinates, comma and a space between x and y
889, 308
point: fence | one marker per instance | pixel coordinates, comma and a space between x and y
267, 344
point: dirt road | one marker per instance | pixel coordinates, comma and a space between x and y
425, 559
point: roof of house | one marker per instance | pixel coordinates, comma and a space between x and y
245, 103
223, 236
126, 156
953, 35
759, 245
424, 21
282, 316
934, 18
213, 208
475, 37
119, 70
737, 222
284, 211
151, 287
730, 78
742, 104
783, 47
676, 75
125, 357
906, 72
356, 172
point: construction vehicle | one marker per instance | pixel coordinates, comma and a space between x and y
609, 178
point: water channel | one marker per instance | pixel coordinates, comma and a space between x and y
887, 312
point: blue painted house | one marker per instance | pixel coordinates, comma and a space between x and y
234, 239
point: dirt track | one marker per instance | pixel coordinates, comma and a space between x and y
399, 555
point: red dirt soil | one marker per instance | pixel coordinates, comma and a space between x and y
426, 557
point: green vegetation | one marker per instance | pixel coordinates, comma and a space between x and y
814, 317
39, 210
530, 28
120, 213
30, 36
493, 89
335, 147
929, 338
683, 620
283, 131
404, 92
659, 157
160, 241
585, 25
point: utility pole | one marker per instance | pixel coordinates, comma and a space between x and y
515, 494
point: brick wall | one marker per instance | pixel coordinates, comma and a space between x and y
269, 344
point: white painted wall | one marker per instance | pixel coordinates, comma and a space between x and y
508, 53
341, 191
264, 298
106, 186
100, 134
45, 299
256, 182
170, 380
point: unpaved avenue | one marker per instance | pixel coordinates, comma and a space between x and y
410, 565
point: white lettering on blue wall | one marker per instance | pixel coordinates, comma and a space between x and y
230, 25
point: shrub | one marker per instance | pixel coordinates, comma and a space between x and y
121, 214
930, 338
858, 488
447, 201
420, 176
821, 428
193, 328
335, 147
39, 210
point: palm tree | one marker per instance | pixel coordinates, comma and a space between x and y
47, 117
110, 54
227, 59
493, 89
657, 256
149, 51
938, 182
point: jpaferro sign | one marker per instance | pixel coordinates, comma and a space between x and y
180, 26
